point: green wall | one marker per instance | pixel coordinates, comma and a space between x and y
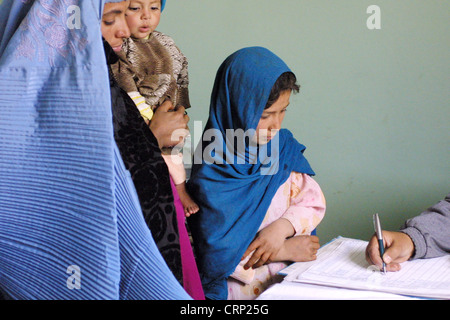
373, 109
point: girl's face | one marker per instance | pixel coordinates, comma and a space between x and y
114, 26
272, 118
143, 17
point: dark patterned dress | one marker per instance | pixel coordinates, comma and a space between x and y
142, 157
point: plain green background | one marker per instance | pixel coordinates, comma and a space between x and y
373, 109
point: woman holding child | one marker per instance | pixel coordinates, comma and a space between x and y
257, 215
140, 140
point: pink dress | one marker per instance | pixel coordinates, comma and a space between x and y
191, 278
299, 200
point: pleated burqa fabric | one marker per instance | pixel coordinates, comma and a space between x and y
71, 226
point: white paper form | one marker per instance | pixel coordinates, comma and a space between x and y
342, 264
288, 290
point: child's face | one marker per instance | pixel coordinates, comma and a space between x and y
272, 118
114, 26
143, 17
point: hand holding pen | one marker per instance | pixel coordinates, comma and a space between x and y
397, 247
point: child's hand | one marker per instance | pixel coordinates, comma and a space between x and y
300, 249
268, 243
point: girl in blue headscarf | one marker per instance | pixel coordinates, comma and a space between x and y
258, 201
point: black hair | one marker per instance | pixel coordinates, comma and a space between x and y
286, 82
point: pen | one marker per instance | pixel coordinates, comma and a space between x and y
377, 226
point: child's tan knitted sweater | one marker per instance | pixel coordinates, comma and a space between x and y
155, 68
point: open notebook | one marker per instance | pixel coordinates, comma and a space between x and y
342, 264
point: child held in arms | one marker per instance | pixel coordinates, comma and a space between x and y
154, 72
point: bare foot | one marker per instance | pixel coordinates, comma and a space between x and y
189, 205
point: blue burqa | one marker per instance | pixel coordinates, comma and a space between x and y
234, 186
71, 226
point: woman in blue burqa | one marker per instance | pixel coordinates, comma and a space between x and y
71, 224
258, 201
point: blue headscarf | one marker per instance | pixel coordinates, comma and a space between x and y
69, 215
234, 197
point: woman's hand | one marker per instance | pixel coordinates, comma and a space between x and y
169, 126
268, 243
